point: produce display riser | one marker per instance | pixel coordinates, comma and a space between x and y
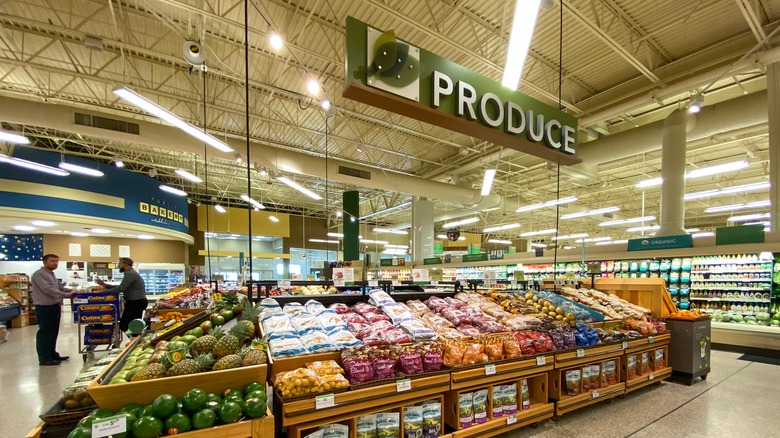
302, 430
649, 341
641, 381
348, 299
565, 403
188, 324
283, 364
650, 293
587, 355
540, 408
373, 398
516, 369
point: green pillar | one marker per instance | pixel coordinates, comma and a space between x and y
351, 218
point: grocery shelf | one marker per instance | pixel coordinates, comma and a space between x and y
740, 289
733, 280
732, 271
732, 300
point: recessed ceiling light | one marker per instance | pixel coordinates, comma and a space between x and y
43, 223
23, 228
100, 231
78, 234
145, 236
276, 41
313, 87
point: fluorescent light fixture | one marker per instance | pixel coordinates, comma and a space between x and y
220, 208
299, 187
649, 183
728, 190
188, 176
145, 236
394, 251
692, 230
501, 228
614, 242
590, 212
627, 221
748, 217
387, 210
389, 231
568, 247
597, 239
502, 242
390, 245
313, 87
273, 218
732, 207
101, 231
546, 204
765, 223
32, 165
119, 163
720, 168
523, 25
539, 233
43, 223
444, 237
254, 203
470, 220
10, 137
276, 41
571, 236
703, 234
323, 241
209, 234
24, 228
335, 235
645, 228
172, 190
376, 242
79, 234
538, 245
487, 181
80, 169
160, 112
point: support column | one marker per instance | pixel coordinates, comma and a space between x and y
351, 225
422, 229
773, 107
673, 139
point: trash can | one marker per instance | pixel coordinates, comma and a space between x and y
689, 349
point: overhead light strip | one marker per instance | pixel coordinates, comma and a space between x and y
80, 169
10, 137
172, 190
627, 221
299, 187
732, 207
728, 190
487, 181
254, 202
698, 173
552, 203
499, 241
590, 212
387, 210
538, 233
501, 228
188, 176
470, 220
645, 228
748, 217
389, 231
571, 236
32, 165
523, 24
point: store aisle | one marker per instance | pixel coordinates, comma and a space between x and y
736, 399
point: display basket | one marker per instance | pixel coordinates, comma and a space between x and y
55, 415
188, 324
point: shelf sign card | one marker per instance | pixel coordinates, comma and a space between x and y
386, 72
432, 261
420, 276
109, 426
666, 242
497, 254
475, 257
347, 275
490, 277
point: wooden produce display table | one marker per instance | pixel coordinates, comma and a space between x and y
659, 369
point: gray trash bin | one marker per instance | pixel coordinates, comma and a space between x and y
689, 349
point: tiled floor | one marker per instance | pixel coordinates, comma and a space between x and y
737, 399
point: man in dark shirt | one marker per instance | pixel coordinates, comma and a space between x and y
47, 294
133, 291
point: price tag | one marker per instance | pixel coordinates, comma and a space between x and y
403, 385
283, 284
651, 376
490, 369
110, 426
595, 394
324, 401
396, 283
650, 340
580, 352
541, 360
513, 282
373, 283
339, 283
434, 282
625, 345
512, 419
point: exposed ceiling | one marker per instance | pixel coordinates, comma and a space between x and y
625, 65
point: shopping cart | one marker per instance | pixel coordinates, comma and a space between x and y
98, 326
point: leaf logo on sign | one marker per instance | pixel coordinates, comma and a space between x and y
393, 64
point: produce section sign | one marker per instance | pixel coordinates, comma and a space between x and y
389, 73
666, 242
432, 261
475, 257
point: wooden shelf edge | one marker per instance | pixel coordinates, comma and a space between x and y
642, 381
569, 404
499, 425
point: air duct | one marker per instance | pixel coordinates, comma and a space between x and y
673, 174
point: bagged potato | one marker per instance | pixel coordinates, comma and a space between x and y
325, 367
388, 425
413, 422
366, 426
431, 419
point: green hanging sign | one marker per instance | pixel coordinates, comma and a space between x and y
475, 257
666, 242
432, 261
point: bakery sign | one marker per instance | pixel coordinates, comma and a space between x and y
389, 73
161, 212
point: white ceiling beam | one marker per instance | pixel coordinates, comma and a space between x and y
752, 20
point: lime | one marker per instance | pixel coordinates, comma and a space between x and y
180, 407
130, 420
227, 392
179, 422
194, 400
214, 397
164, 405
227, 314
212, 406
203, 419
86, 422
116, 380
254, 386
146, 411
101, 413
255, 408
80, 432
229, 412
131, 373
256, 394
237, 400
147, 427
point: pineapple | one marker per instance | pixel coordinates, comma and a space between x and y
151, 371
249, 317
229, 361
205, 343
229, 343
252, 357
201, 363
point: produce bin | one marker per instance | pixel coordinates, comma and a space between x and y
689, 348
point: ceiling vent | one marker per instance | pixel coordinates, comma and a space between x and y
357, 173
106, 123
